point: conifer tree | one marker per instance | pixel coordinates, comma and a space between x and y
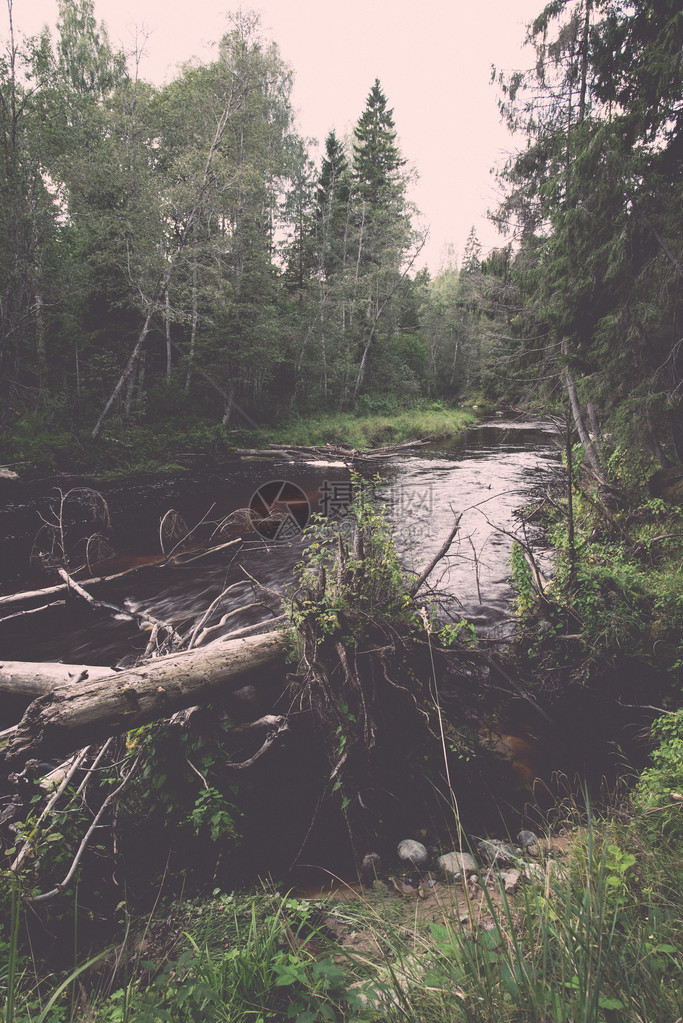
332, 206
471, 261
595, 196
377, 160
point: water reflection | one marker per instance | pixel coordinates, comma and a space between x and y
496, 469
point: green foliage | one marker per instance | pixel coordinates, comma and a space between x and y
354, 557
592, 936
461, 634
580, 943
522, 580
183, 781
378, 426
248, 959
659, 793
618, 587
212, 812
50, 843
595, 196
376, 158
265, 974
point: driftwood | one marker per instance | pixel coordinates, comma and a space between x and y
441, 553
142, 619
27, 596
77, 713
31, 679
331, 452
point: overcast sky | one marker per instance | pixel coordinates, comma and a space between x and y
433, 59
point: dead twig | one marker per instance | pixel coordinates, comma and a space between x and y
441, 553
207, 614
32, 611
23, 852
278, 726
141, 617
189, 532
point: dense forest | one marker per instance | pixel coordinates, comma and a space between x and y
183, 286
175, 254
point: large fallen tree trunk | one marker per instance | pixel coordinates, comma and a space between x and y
87, 710
31, 679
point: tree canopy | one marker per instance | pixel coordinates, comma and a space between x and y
178, 252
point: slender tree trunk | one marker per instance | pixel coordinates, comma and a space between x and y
358, 262
227, 412
130, 365
570, 503
41, 345
589, 447
455, 359
193, 330
130, 390
167, 325
584, 60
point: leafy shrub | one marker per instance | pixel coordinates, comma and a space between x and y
659, 793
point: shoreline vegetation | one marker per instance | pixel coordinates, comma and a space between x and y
132, 450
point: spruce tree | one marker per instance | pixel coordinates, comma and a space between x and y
333, 183
377, 160
471, 261
332, 206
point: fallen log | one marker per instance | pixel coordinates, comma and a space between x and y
76, 714
31, 679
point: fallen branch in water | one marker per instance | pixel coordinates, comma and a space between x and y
32, 611
26, 596
142, 619
329, 452
92, 709
441, 553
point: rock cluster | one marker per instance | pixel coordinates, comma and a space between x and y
496, 862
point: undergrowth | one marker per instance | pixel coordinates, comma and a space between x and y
617, 589
370, 430
39, 445
593, 937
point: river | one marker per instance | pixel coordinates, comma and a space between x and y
488, 474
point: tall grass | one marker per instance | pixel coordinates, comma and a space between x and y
594, 938
364, 431
580, 947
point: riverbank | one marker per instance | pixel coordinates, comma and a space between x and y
367, 431
35, 449
584, 926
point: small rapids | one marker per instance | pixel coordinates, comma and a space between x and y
488, 475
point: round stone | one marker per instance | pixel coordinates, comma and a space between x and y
526, 839
412, 852
455, 864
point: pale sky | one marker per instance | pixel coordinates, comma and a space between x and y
433, 60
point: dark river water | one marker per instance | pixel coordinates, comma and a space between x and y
487, 475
